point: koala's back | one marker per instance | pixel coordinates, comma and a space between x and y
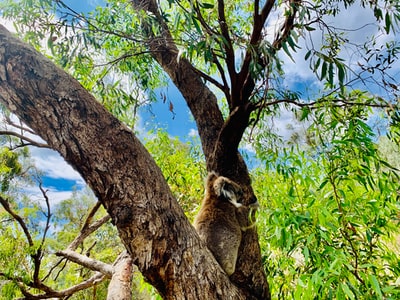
222, 235
218, 226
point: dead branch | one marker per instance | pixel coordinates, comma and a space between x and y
87, 262
121, 281
94, 280
23, 138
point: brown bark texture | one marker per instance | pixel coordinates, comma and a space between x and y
123, 175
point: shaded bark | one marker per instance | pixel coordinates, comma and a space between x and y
120, 171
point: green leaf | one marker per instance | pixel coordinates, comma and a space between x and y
375, 285
388, 22
341, 72
305, 111
308, 54
324, 69
378, 13
330, 74
285, 48
309, 28
347, 290
291, 43
196, 25
206, 5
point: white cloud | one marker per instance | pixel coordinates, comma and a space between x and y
58, 196
48, 161
7, 24
53, 165
55, 196
358, 25
193, 132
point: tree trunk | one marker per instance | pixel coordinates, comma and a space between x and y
120, 171
220, 140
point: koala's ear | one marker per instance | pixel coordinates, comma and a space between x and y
226, 190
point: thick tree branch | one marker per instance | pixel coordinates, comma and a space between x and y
225, 153
120, 287
242, 87
245, 83
241, 108
201, 101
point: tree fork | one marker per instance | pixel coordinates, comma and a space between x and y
215, 134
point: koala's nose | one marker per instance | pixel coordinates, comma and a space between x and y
253, 202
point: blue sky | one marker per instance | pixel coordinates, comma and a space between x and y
158, 115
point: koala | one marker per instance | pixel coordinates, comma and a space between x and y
217, 222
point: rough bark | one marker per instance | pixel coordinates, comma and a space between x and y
123, 175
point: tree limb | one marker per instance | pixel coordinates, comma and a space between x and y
87, 262
244, 84
30, 142
37, 257
201, 101
95, 279
227, 42
121, 281
88, 227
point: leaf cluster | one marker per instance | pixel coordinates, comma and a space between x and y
183, 167
329, 216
